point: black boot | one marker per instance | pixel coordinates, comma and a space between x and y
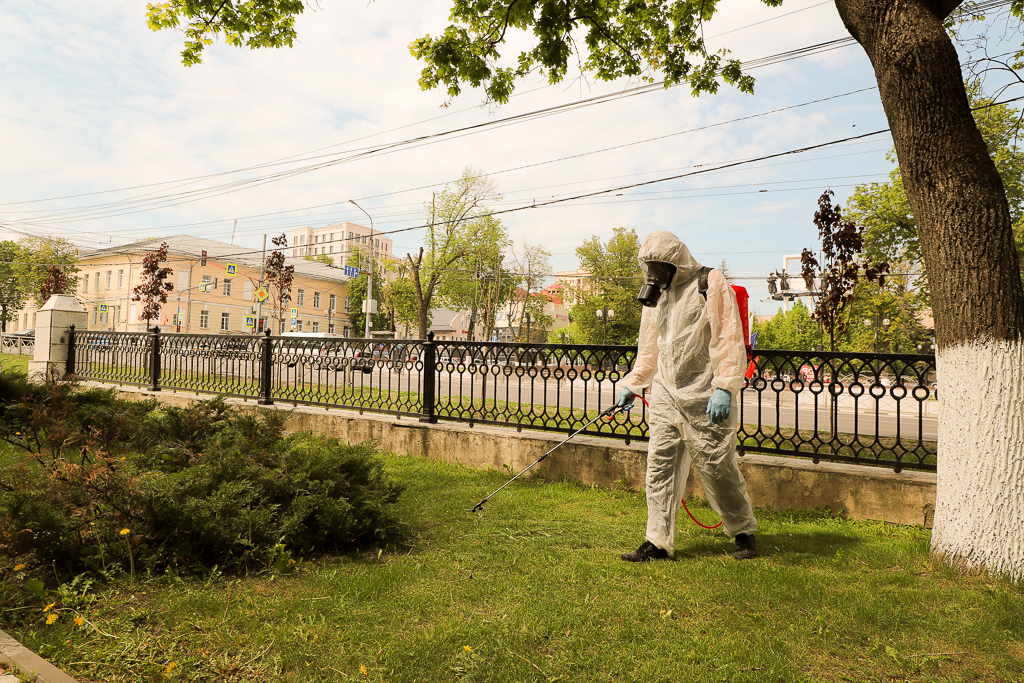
645, 553
745, 547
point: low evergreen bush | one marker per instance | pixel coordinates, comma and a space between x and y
105, 483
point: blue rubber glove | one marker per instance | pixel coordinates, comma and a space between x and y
625, 399
718, 406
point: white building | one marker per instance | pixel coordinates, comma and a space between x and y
337, 241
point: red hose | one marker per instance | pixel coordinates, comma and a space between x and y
695, 519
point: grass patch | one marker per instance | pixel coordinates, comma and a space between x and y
532, 590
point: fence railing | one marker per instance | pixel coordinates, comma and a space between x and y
878, 409
18, 344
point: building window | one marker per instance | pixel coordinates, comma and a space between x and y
330, 328
300, 300
227, 287
95, 313
204, 320
225, 321
85, 284
282, 327
208, 281
110, 276
316, 299
348, 304
298, 326
316, 327
332, 302
120, 279
97, 287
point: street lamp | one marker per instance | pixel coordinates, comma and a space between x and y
369, 275
604, 314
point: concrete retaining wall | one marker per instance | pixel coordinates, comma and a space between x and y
777, 483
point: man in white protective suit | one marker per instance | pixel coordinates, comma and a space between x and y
691, 353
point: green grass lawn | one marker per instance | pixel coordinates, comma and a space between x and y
10, 361
532, 589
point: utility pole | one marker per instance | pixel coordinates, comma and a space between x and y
368, 305
263, 264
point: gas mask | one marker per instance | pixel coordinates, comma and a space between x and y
658, 276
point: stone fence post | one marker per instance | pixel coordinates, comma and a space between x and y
53, 321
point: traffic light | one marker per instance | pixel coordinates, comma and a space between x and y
202, 260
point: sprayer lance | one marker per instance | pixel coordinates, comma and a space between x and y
607, 413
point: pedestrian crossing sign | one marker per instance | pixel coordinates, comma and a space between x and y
103, 308
250, 321
232, 269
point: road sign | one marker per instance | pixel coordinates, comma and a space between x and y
262, 294
103, 308
232, 269
250, 321
351, 271
295, 321
202, 286
295, 313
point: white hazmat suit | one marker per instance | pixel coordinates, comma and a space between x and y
688, 347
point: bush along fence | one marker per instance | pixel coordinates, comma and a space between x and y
877, 409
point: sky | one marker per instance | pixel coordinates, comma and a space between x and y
106, 138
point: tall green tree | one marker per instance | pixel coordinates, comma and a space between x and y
953, 186
12, 292
613, 284
884, 210
36, 256
458, 221
467, 285
789, 331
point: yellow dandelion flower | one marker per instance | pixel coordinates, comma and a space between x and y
52, 617
49, 607
18, 567
125, 532
362, 670
79, 621
171, 667
467, 648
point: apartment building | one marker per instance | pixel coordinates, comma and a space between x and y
220, 297
338, 241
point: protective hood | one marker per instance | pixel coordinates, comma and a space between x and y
662, 245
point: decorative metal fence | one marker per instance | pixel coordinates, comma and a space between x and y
875, 409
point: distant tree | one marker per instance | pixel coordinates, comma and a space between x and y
457, 223
723, 268
12, 294
34, 261
613, 284
56, 283
842, 268
279, 276
789, 331
153, 289
320, 258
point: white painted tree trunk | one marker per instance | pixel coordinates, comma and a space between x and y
979, 506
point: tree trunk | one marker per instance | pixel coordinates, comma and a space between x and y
963, 219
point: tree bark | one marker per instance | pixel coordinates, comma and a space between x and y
963, 219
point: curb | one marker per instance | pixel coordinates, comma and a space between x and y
28, 663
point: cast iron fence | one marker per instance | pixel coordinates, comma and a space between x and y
877, 409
